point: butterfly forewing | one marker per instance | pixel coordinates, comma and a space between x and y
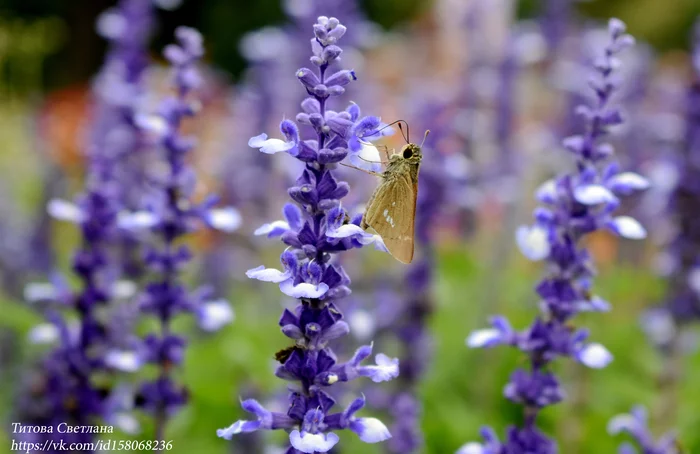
391, 213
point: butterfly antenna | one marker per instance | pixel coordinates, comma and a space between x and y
427, 131
406, 136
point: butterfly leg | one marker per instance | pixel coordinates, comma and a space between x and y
373, 162
386, 153
376, 174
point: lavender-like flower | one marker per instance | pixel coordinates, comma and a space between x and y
170, 216
666, 324
67, 392
684, 299
315, 229
555, 21
635, 424
574, 205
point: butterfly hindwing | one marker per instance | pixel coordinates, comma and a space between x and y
391, 213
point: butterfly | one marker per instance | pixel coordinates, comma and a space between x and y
391, 211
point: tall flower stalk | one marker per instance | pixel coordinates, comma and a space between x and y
170, 214
574, 205
65, 389
315, 229
684, 297
666, 325
119, 92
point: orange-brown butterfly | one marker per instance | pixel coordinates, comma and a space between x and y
391, 211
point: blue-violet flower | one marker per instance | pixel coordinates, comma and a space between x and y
316, 228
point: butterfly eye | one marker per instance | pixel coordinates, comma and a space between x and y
407, 153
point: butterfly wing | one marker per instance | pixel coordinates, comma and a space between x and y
391, 213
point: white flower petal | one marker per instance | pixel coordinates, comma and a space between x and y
123, 289
386, 369
659, 325
593, 194
345, 231
138, 220
378, 243
213, 315
547, 192
275, 228
311, 443
45, 333
267, 274
595, 356
471, 448
127, 423
598, 304
230, 431
622, 423
64, 210
224, 219
629, 180
270, 146
111, 24
39, 291
371, 430
123, 360
155, 125
367, 158
694, 279
362, 324
628, 227
369, 152
303, 290
483, 338
533, 242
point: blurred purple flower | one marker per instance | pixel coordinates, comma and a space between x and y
70, 395
171, 215
635, 424
314, 234
683, 299
574, 205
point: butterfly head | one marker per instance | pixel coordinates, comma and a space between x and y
411, 153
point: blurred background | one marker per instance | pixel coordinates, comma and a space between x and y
497, 82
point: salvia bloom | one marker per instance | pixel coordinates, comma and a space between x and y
119, 91
172, 213
316, 228
64, 390
573, 205
635, 424
684, 300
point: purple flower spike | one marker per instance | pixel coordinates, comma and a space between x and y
574, 205
316, 228
177, 214
89, 346
635, 424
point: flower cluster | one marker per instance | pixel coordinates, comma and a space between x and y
574, 205
169, 214
65, 389
636, 425
316, 228
684, 301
